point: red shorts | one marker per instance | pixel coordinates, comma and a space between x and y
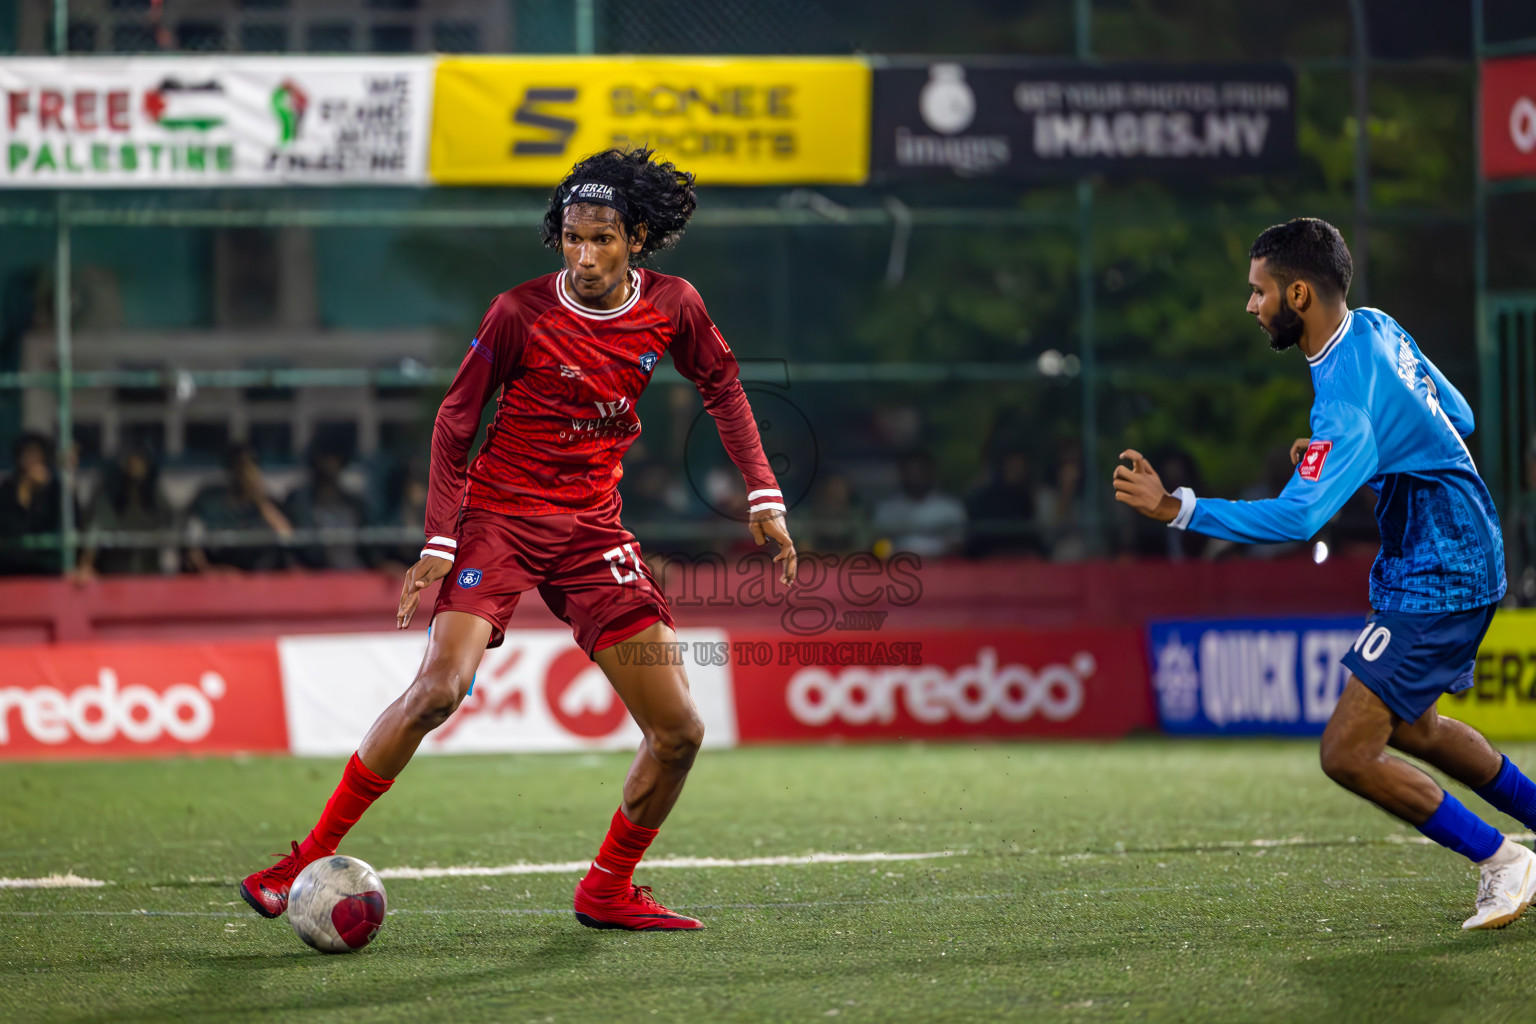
586, 566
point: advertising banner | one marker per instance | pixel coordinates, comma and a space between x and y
161, 122
1249, 676
536, 692
1502, 702
736, 121
1509, 118
941, 684
1034, 119
120, 700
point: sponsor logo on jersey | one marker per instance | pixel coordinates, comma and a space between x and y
470, 578
1311, 466
609, 422
570, 371
648, 361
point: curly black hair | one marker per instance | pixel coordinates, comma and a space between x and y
656, 194
1310, 249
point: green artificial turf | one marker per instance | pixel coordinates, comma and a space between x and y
1087, 883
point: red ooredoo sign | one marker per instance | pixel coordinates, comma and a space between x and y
944, 684
113, 700
1509, 118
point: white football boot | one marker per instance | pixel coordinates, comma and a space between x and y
1506, 889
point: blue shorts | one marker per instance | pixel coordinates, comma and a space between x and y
1410, 659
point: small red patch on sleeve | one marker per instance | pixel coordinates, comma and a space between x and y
1311, 465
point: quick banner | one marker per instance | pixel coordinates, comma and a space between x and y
746, 121
1032, 119
160, 122
1502, 701
1249, 676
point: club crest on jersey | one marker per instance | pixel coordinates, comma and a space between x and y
1311, 465
469, 578
648, 361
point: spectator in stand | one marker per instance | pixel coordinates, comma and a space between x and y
921, 519
1002, 511
1059, 506
404, 506
837, 523
321, 503
29, 507
1147, 538
129, 499
241, 503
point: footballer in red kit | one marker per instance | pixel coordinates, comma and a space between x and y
538, 508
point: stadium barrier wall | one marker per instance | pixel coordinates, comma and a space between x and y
1282, 676
317, 694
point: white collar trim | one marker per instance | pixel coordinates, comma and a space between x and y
598, 314
1333, 342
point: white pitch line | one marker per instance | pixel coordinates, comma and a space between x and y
65, 881
572, 866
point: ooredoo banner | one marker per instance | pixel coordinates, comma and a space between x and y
1509, 118
942, 684
88, 122
730, 121
536, 692
103, 700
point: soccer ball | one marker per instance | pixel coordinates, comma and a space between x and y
337, 904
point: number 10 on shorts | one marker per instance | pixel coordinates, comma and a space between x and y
616, 559
1373, 640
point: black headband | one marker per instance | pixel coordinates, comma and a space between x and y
598, 194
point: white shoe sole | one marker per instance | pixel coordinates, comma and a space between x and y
1527, 895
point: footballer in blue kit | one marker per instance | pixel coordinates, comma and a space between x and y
1385, 417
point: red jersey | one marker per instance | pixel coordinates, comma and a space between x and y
570, 377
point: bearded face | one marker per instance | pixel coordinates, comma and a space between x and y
1284, 328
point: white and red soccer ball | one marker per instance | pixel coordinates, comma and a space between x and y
337, 904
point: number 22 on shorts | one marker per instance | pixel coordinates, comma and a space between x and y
615, 559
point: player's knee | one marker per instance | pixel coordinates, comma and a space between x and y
433, 697
1345, 765
677, 745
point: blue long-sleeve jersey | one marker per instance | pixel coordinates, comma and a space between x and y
1383, 415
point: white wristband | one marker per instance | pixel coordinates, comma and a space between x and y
765, 492
1186, 508
762, 506
446, 542
435, 554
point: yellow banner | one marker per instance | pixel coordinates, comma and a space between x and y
1502, 702
748, 121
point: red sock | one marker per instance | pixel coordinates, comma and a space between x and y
625, 844
359, 788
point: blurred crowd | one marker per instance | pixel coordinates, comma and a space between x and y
341, 517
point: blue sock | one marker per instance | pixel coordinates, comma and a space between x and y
1513, 793
1456, 828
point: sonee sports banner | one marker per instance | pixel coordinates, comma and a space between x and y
1037, 120
163, 122
738, 121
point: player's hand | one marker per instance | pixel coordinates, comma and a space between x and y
769, 524
1299, 448
1139, 486
418, 578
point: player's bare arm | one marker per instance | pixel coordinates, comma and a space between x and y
1139, 486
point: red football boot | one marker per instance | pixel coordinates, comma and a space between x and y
635, 911
267, 891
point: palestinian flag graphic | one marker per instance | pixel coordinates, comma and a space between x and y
186, 106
